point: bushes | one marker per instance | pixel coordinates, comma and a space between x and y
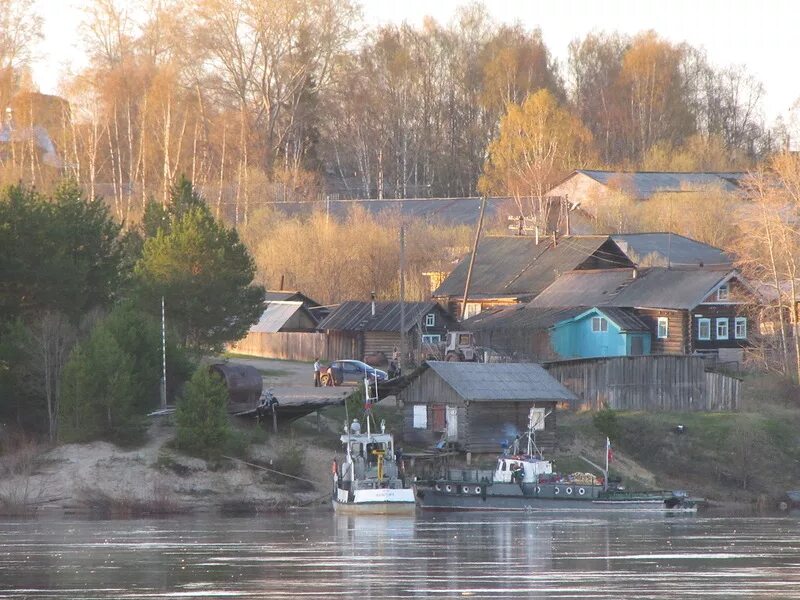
605, 421
201, 419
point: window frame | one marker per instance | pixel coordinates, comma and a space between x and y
419, 416
665, 322
740, 321
722, 321
723, 292
431, 338
602, 324
430, 320
700, 322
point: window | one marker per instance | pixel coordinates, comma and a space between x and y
420, 416
722, 328
740, 328
703, 329
663, 328
723, 292
599, 324
473, 308
432, 338
430, 320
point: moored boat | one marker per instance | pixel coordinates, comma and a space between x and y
370, 479
524, 481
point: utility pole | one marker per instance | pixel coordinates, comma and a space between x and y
402, 298
163, 357
472, 258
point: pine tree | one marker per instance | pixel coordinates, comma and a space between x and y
201, 418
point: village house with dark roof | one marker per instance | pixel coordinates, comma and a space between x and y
683, 311
372, 329
513, 269
476, 407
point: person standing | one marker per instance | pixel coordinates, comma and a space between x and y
317, 367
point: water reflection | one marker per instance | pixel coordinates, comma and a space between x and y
440, 555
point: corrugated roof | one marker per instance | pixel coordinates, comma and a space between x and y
288, 296
516, 266
357, 316
665, 249
275, 316
643, 184
501, 381
456, 211
653, 287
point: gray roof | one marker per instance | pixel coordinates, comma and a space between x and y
529, 317
275, 316
665, 249
643, 184
288, 296
501, 381
516, 266
457, 211
653, 287
357, 316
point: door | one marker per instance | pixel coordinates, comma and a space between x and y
452, 423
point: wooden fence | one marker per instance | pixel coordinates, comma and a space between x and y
651, 383
298, 346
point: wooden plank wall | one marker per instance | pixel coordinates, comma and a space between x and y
648, 383
298, 346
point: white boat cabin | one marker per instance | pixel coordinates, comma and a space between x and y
529, 468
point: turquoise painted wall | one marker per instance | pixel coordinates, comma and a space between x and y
575, 339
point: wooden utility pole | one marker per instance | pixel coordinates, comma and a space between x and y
403, 360
472, 258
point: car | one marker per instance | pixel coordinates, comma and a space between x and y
351, 371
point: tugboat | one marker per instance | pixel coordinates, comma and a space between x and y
525, 481
370, 480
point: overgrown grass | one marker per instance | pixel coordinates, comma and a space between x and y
159, 501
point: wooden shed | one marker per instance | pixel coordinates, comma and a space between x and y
479, 406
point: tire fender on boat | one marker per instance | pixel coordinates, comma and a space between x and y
465, 489
557, 490
438, 487
581, 491
538, 490
477, 489
448, 488
569, 491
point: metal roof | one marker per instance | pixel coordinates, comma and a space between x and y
275, 316
521, 316
653, 287
516, 266
670, 249
501, 381
621, 317
456, 211
357, 316
289, 296
643, 184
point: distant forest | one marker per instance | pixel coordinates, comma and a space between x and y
279, 100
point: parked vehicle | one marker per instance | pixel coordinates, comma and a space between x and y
351, 371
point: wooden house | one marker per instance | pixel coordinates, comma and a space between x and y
589, 190
687, 311
479, 406
372, 329
511, 269
607, 331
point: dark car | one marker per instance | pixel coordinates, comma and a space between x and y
352, 371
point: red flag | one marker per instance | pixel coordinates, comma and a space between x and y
609, 451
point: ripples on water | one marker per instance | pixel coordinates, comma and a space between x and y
306, 555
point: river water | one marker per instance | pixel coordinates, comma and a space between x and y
444, 555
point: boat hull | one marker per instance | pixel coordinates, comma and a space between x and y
374, 508
429, 498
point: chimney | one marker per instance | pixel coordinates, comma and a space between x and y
281, 288
373, 303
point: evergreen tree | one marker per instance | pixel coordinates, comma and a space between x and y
98, 390
204, 273
201, 418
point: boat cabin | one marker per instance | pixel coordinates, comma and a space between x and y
521, 469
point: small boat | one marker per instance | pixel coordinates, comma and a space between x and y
524, 481
794, 497
370, 480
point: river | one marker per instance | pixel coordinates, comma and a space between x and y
444, 555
